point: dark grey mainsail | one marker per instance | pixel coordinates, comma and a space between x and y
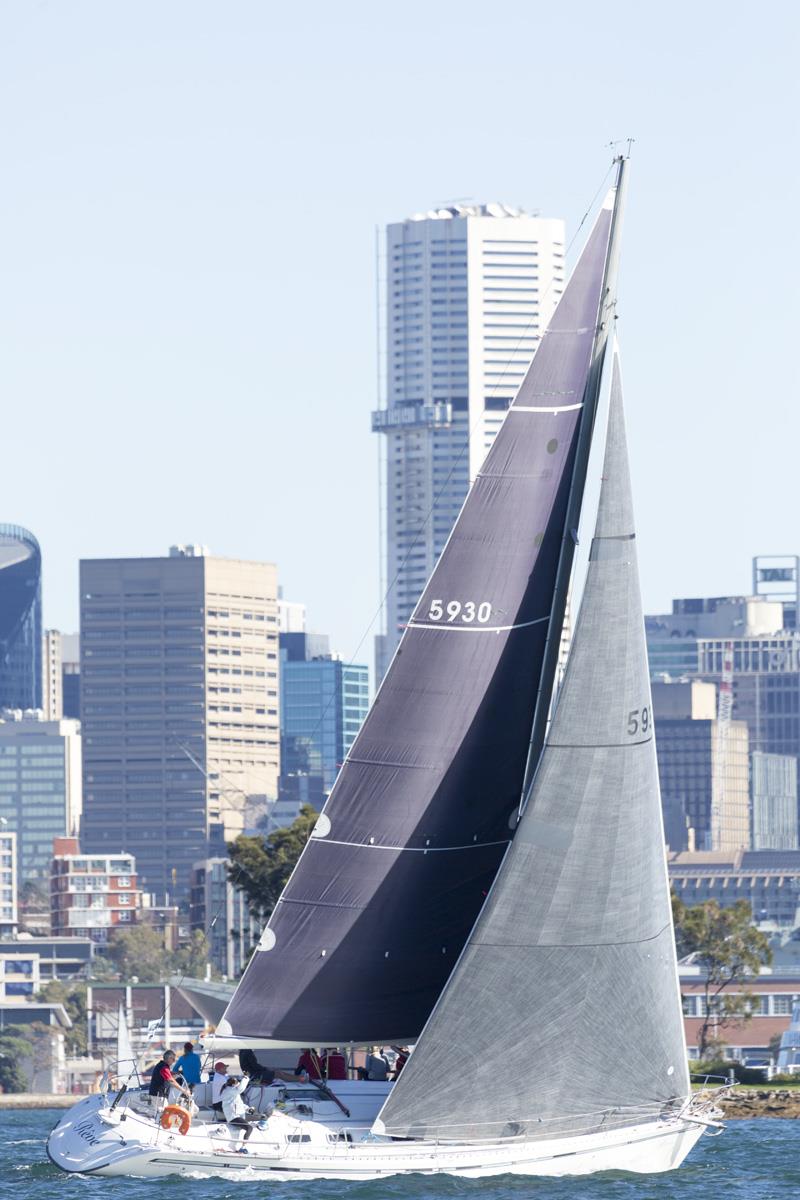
383, 898
563, 1014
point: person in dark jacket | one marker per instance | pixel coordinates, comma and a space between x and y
162, 1078
260, 1073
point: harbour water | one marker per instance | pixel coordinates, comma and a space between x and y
752, 1160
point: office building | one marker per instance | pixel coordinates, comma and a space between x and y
323, 703
60, 675
71, 675
40, 787
469, 290
769, 880
8, 883
90, 896
704, 778
20, 619
673, 639
777, 577
221, 911
179, 708
773, 794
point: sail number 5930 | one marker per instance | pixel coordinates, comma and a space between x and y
467, 610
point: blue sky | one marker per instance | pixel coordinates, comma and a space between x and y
187, 264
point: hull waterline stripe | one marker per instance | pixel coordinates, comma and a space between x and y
477, 628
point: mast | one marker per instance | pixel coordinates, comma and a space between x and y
605, 316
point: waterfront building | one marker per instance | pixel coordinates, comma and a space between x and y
91, 895
705, 794
9, 917
469, 290
773, 791
20, 619
773, 991
323, 703
179, 707
40, 787
158, 1017
220, 910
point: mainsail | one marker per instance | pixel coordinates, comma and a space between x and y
563, 1014
380, 905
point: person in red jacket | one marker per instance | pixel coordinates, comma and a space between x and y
309, 1062
334, 1064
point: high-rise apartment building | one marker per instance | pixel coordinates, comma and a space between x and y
40, 786
60, 671
20, 619
179, 707
469, 290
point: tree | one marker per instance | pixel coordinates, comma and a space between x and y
192, 959
14, 1045
72, 994
260, 866
728, 947
139, 951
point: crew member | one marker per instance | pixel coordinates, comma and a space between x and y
162, 1079
189, 1065
234, 1108
309, 1062
218, 1081
260, 1073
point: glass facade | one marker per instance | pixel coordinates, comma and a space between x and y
37, 789
323, 703
20, 619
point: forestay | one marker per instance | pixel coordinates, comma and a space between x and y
563, 1014
376, 914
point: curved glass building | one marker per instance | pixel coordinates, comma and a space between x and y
20, 619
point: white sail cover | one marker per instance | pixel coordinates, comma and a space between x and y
563, 1013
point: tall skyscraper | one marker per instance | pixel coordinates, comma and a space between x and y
469, 289
20, 619
179, 707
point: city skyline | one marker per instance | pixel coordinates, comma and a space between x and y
187, 265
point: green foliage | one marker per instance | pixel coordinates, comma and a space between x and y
729, 949
139, 951
72, 994
14, 1045
261, 866
191, 960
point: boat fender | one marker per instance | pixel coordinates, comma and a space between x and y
174, 1115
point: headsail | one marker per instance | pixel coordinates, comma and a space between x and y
570, 971
385, 893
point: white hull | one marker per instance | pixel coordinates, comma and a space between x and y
92, 1140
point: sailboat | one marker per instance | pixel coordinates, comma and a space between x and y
487, 880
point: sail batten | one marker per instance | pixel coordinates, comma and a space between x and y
572, 960
361, 944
